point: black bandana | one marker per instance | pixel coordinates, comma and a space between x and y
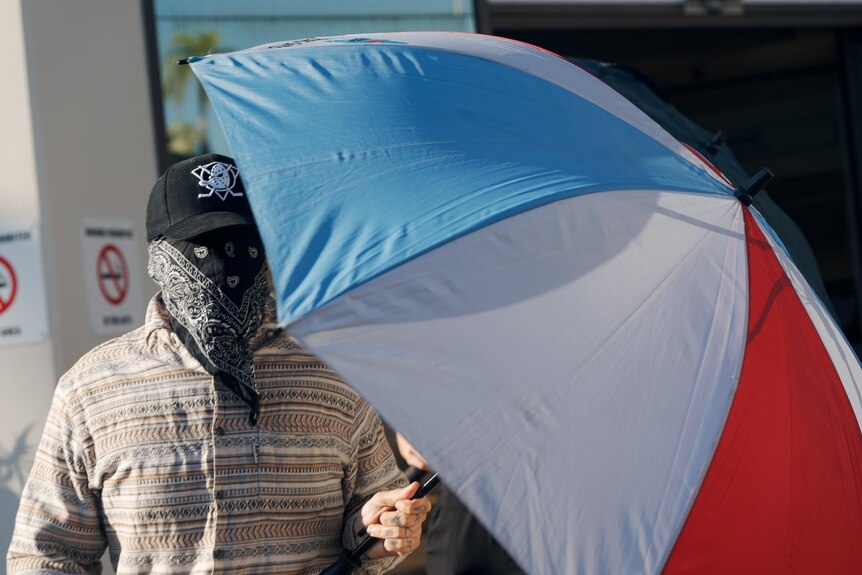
215, 289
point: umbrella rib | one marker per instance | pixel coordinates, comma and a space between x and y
667, 550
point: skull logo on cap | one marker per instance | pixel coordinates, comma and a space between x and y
219, 178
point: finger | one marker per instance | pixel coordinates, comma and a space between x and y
400, 519
371, 513
380, 502
400, 546
391, 497
414, 506
391, 532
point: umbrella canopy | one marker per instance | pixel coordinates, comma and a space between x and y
608, 357
638, 89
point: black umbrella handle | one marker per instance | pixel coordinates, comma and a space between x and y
343, 565
351, 559
414, 474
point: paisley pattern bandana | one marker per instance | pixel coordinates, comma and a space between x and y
215, 327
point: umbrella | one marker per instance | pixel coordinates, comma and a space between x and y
584, 327
640, 90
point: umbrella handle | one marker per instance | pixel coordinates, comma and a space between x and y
351, 559
343, 565
414, 474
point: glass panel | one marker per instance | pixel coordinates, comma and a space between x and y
197, 27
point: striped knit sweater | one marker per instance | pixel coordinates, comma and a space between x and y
144, 454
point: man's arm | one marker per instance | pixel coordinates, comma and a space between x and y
57, 529
379, 500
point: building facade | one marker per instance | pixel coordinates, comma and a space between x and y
94, 109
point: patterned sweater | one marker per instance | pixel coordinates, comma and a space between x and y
144, 454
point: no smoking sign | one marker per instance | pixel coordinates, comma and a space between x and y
8, 285
23, 311
113, 276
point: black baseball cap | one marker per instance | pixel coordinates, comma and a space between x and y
196, 196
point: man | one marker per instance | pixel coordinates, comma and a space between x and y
207, 441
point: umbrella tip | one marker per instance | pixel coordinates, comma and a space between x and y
747, 191
183, 62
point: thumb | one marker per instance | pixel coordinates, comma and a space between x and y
389, 498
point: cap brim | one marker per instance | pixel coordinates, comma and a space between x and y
203, 223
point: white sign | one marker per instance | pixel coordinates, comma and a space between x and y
112, 270
23, 306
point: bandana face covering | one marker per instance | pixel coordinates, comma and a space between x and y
214, 288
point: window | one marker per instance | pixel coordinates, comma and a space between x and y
198, 27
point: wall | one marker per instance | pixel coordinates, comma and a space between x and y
26, 373
94, 139
76, 99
